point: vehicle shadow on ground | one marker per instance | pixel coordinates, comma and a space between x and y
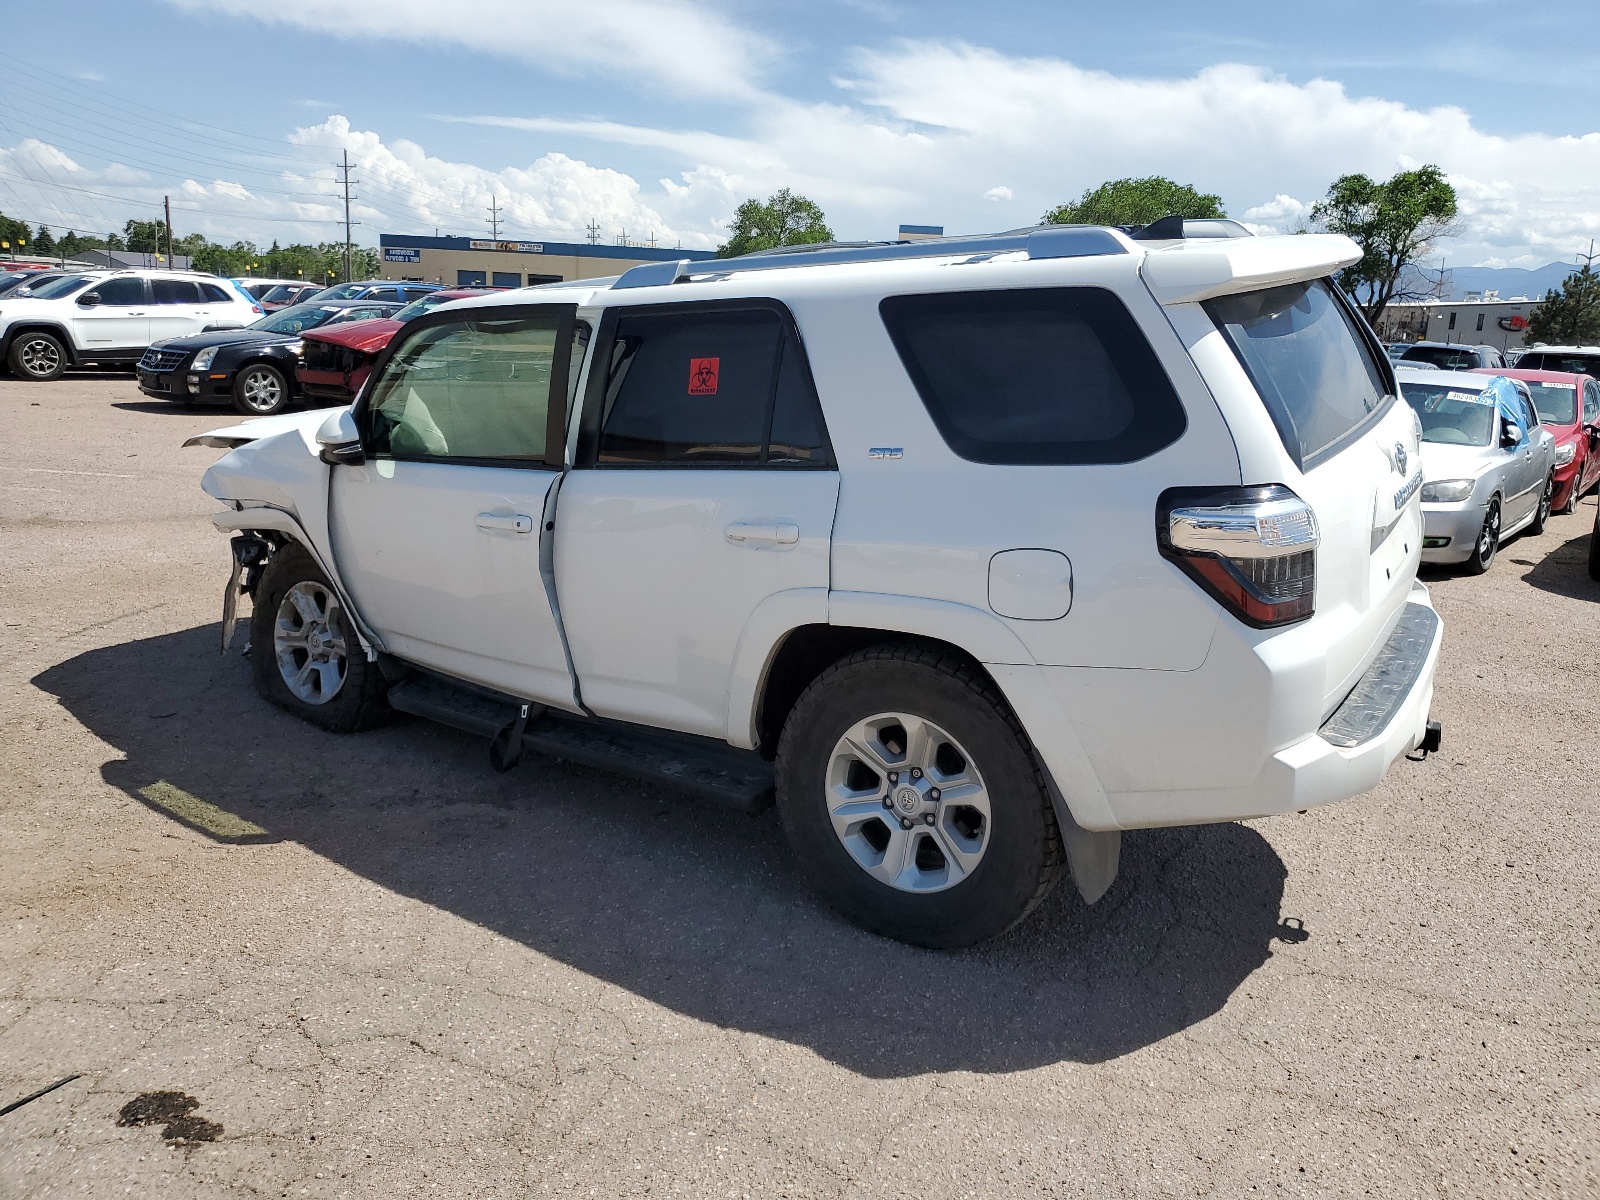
1565, 570
698, 910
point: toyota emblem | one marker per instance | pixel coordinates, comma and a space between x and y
1400, 458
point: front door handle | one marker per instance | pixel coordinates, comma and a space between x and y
506, 523
780, 533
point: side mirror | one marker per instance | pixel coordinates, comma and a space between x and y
340, 440
89, 299
1510, 434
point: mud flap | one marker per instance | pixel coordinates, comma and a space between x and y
1092, 856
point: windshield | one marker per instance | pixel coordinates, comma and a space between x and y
417, 307
341, 291
1446, 358
57, 288
1556, 403
281, 293
1451, 414
297, 319
1308, 360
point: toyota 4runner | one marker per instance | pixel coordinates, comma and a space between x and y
970, 553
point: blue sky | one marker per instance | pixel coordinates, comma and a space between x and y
656, 117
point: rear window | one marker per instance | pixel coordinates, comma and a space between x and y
1310, 363
1541, 360
1446, 358
1556, 403
1037, 375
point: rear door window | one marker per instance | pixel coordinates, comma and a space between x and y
1311, 363
1036, 375
700, 387
175, 291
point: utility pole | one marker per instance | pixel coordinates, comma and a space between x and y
594, 232
494, 218
345, 166
166, 204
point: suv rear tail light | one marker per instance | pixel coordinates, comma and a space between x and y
1253, 548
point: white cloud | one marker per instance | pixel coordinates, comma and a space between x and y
681, 45
999, 194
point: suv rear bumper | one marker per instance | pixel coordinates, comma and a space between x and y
1244, 736
1320, 769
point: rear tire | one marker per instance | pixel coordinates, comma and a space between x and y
303, 650
872, 828
260, 391
37, 356
1541, 515
1483, 550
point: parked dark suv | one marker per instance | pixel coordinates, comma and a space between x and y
1452, 357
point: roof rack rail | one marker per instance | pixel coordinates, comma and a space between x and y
1044, 241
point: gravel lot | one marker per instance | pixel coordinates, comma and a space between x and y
425, 979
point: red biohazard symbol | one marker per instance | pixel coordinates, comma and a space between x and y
703, 374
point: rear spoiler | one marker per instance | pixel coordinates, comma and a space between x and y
1219, 267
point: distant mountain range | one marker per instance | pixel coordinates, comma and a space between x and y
1508, 281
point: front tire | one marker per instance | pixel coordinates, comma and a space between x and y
1483, 550
37, 356
303, 650
911, 798
1541, 516
260, 391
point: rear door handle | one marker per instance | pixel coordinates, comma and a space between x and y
501, 522
780, 533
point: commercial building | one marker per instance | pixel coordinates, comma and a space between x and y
122, 259
462, 262
1479, 320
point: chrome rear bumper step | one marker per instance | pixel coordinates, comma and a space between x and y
1378, 694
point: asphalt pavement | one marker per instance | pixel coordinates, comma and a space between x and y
285, 963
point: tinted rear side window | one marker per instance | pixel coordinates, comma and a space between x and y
1038, 375
175, 291
703, 387
1310, 363
215, 295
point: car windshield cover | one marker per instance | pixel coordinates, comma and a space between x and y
1452, 414
297, 319
1556, 403
1308, 360
342, 291
417, 307
57, 288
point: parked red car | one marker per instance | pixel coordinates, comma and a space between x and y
337, 360
1569, 407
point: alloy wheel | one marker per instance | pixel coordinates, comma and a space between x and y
261, 390
308, 641
907, 803
40, 357
1489, 537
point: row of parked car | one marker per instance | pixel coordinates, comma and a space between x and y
52, 320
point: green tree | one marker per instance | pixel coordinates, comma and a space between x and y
146, 237
1394, 223
43, 242
1568, 315
784, 220
14, 231
1136, 202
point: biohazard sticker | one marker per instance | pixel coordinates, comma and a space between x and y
703, 373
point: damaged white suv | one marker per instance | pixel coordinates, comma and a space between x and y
971, 553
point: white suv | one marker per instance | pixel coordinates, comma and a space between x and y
111, 316
973, 552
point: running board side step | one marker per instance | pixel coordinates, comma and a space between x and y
705, 768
